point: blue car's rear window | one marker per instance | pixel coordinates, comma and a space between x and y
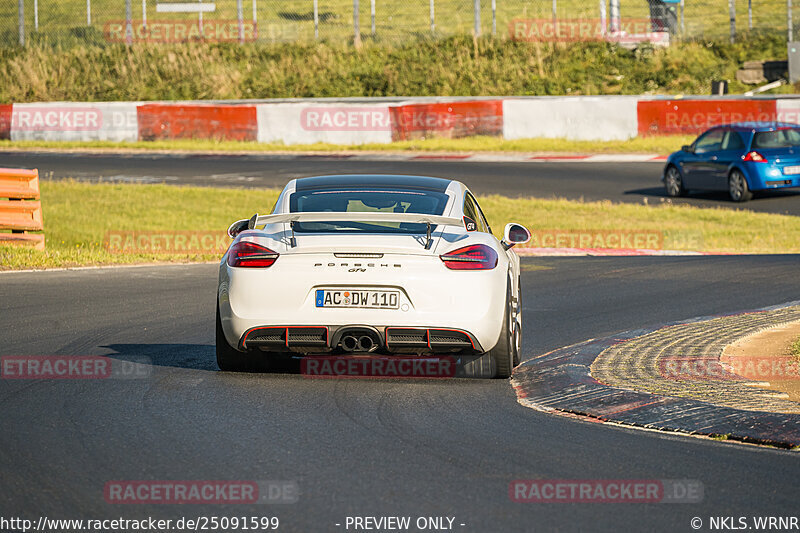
781, 138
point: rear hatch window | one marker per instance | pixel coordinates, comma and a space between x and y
781, 138
369, 200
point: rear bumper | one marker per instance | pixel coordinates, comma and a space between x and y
765, 177
387, 339
431, 297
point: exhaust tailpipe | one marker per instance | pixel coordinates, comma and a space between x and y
365, 343
349, 343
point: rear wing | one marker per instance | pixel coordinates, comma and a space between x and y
331, 216
350, 216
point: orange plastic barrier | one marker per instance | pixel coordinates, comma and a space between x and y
21, 209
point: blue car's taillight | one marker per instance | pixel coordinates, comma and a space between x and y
754, 157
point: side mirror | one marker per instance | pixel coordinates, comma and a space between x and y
686, 148
515, 234
240, 225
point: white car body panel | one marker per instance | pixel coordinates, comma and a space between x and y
431, 295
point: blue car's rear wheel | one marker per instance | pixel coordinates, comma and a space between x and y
738, 188
674, 183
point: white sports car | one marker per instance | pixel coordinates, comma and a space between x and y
370, 265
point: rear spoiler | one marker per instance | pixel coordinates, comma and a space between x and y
329, 216
350, 216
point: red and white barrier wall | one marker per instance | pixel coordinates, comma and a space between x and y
377, 120
71, 121
607, 118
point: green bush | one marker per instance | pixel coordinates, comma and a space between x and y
455, 66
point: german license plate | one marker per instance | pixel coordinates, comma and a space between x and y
362, 299
791, 170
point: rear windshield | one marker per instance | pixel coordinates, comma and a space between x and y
782, 138
366, 200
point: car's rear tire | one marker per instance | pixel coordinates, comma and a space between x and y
228, 358
517, 333
738, 189
502, 354
673, 182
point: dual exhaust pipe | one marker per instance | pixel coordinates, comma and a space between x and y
364, 343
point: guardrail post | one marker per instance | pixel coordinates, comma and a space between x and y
732, 12
240, 19
614, 22
433, 25
555, 14
128, 23
477, 9
316, 20
789, 24
356, 28
255, 22
21, 8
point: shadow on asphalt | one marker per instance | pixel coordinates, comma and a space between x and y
195, 357
203, 357
713, 196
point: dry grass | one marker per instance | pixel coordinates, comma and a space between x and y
643, 145
456, 66
78, 216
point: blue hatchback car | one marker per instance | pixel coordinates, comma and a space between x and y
738, 158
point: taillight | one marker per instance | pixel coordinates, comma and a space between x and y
250, 254
474, 257
755, 157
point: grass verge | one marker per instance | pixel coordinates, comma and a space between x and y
78, 217
645, 145
454, 66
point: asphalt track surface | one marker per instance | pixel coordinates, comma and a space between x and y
619, 182
361, 447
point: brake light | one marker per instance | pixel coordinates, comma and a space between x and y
250, 254
473, 257
755, 157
